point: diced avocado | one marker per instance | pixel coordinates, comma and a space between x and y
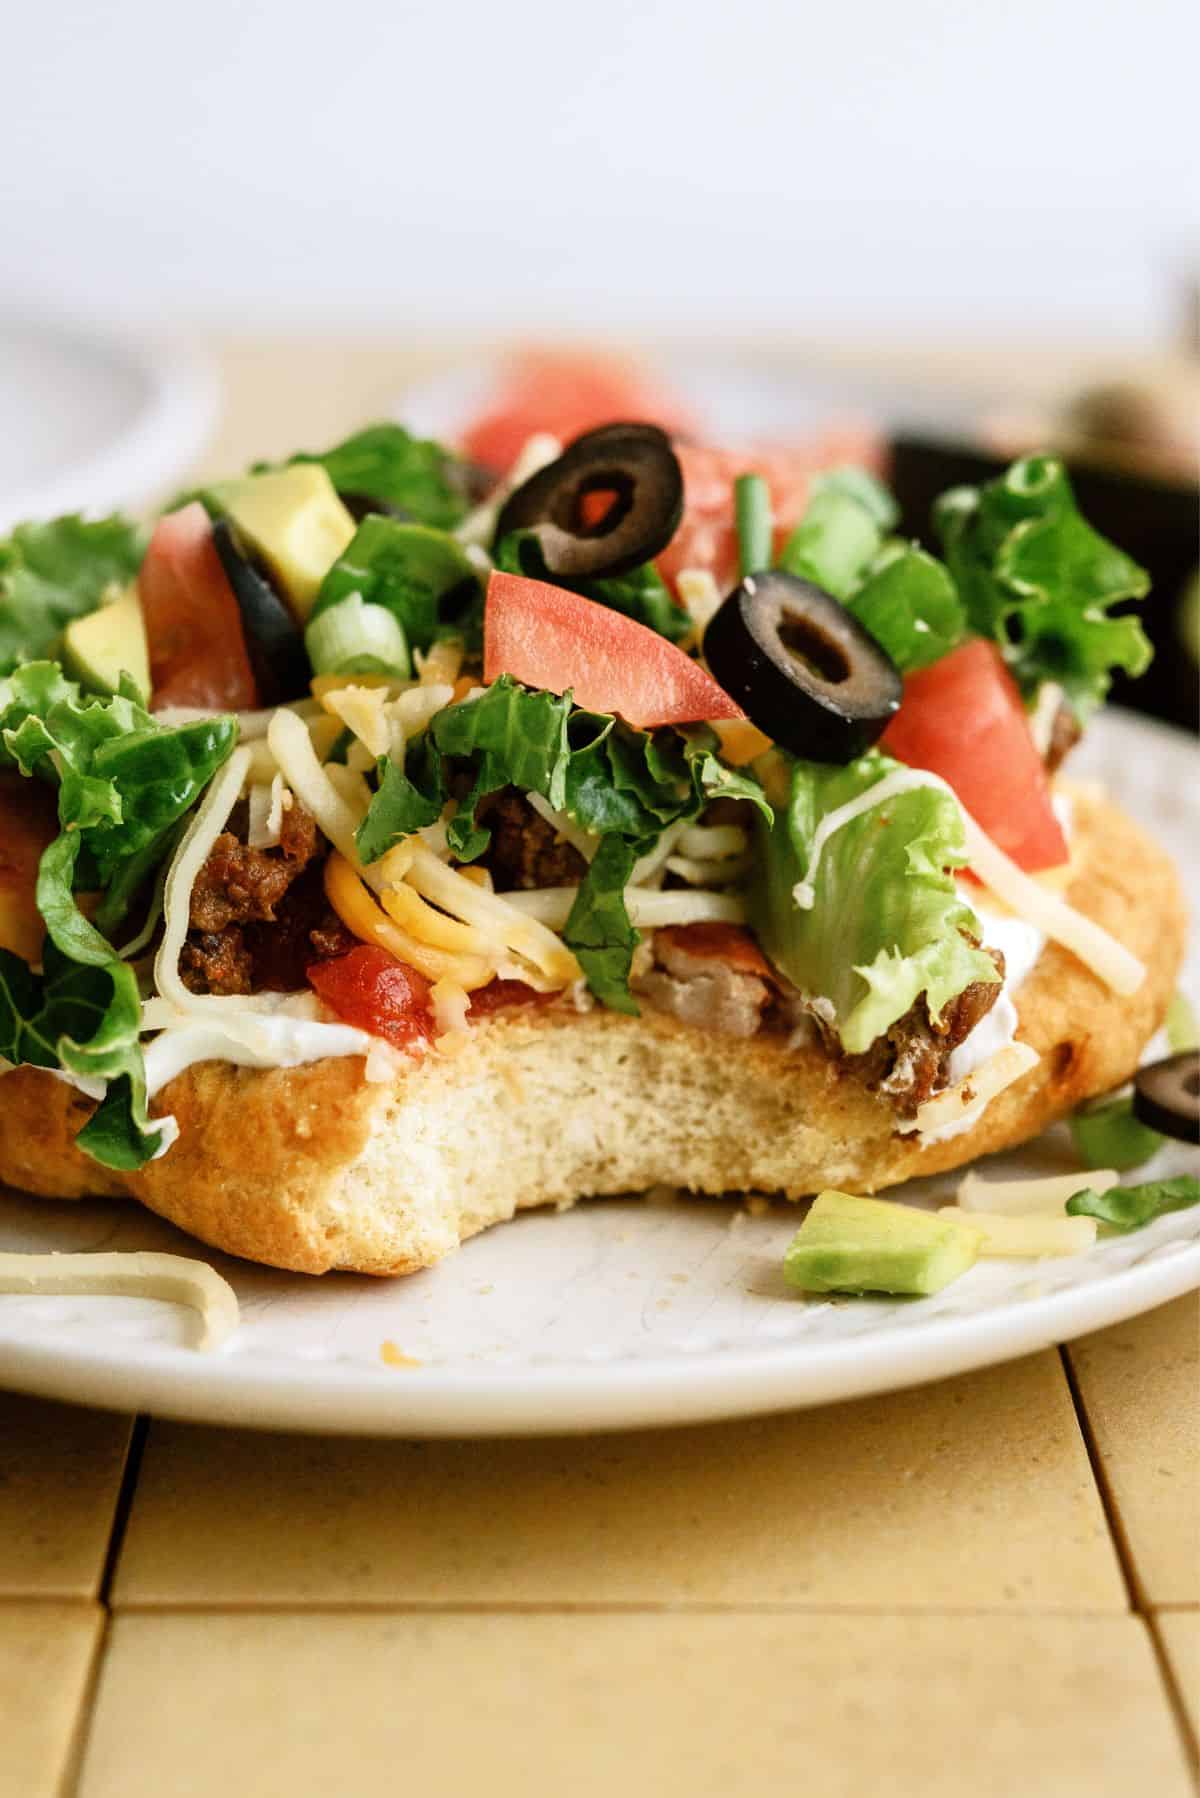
98, 648
849, 1244
293, 518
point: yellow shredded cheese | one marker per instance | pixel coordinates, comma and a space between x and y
363, 917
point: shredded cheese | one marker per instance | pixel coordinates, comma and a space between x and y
538, 451
1025, 1237
138, 1275
258, 833
1025, 1198
712, 842
708, 873
1041, 718
363, 917
441, 664
957, 1107
429, 925
451, 1003
494, 916
701, 596
311, 783
362, 710
647, 908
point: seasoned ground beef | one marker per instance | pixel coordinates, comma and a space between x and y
259, 917
525, 851
909, 1063
238, 884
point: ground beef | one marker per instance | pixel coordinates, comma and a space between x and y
909, 1064
1065, 732
259, 917
240, 885
526, 851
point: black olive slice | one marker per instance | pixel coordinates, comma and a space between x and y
610, 502
1166, 1096
274, 640
802, 668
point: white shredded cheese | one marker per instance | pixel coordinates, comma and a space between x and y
1025, 1237
495, 916
139, 1275
311, 783
954, 1110
1025, 1198
362, 710
647, 907
712, 842
1041, 718
258, 832
707, 873
701, 596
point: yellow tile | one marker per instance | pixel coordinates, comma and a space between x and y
1179, 1633
974, 1493
1140, 1386
711, 1705
46, 1653
60, 1473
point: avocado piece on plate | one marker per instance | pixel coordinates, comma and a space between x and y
849, 1244
293, 518
101, 646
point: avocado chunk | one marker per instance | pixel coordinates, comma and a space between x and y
293, 519
98, 648
848, 1244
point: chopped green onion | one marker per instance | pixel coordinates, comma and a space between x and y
1108, 1135
352, 637
1129, 1207
1183, 1030
755, 527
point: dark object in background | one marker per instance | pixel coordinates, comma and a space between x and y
1154, 521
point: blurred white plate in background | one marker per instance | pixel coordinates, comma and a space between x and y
91, 424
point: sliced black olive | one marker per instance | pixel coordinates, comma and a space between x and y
274, 640
1166, 1096
362, 505
802, 668
633, 470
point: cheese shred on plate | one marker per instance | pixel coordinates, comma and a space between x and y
176, 1278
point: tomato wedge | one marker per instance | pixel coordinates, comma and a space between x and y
565, 392
707, 537
963, 718
28, 825
372, 990
194, 631
548, 638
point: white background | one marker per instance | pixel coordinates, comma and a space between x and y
1010, 167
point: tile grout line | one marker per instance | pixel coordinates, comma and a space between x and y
122, 1510
1125, 1560
1108, 1504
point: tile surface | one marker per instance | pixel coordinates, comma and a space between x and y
711, 1706
974, 1493
1179, 1633
60, 1473
1140, 1387
46, 1653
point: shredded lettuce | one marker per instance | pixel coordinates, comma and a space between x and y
385, 463
641, 594
624, 786
1034, 575
124, 783
51, 573
887, 926
1129, 1207
422, 576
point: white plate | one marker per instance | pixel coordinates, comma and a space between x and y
91, 425
619, 1313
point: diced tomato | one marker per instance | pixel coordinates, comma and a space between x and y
194, 627
731, 943
372, 990
498, 994
28, 825
565, 392
963, 718
707, 536
552, 639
